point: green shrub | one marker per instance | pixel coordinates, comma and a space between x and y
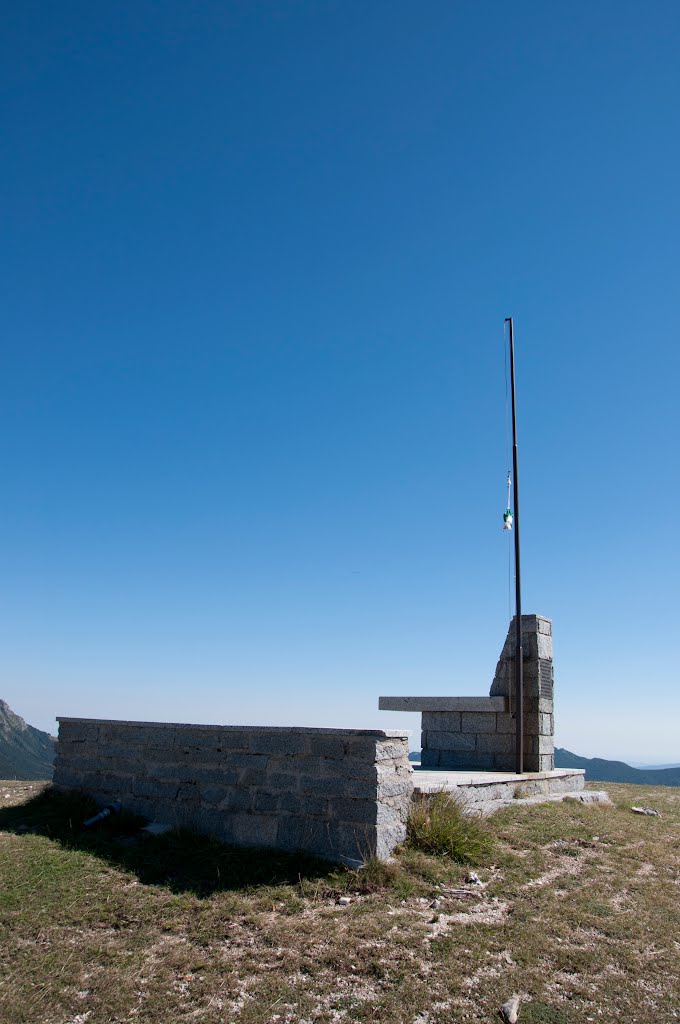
438, 825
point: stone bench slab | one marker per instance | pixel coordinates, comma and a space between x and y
480, 705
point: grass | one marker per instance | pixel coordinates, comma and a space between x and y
438, 826
579, 913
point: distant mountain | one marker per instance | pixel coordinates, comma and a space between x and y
25, 752
600, 770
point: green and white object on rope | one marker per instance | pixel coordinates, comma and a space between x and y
507, 515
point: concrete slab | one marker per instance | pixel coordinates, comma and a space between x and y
428, 780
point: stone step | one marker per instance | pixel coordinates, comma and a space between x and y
582, 796
484, 792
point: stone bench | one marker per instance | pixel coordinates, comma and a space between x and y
478, 733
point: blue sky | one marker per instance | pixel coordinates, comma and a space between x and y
256, 260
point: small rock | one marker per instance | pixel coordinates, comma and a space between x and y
474, 878
344, 901
509, 1011
645, 810
435, 905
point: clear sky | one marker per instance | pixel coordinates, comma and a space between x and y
256, 259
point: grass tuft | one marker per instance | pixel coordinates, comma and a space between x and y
438, 825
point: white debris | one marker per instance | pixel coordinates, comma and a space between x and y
510, 1010
157, 828
344, 901
645, 810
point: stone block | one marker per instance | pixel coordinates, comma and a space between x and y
391, 814
393, 749
298, 832
300, 765
465, 761
396, 787
441, 721
188, 791
495, 743
293, 803
506, 724
85, 764
254, 829
546, 724
204, 775
387, 837
475, 723
212, 794
544, 646
64, 778
352, 767
355, 844
323, 785
155, 788
281, 743
443, 704
265, 803
429, 758
234, 739
237, 760
361, 746
237, 799
283, 782
330, 746
118, 784
546, 763
129, 735
252, 777
451, 741
348, 809
197, 739
546, 745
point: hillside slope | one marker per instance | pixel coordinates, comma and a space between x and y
25, 752
600, 770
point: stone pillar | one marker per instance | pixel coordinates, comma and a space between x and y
538, 691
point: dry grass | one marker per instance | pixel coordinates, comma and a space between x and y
438, 825
579, 913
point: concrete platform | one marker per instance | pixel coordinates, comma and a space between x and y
484, 792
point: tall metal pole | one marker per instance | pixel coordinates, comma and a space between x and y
519, 654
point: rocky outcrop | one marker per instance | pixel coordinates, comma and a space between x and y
25, 752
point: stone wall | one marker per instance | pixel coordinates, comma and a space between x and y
342, 794
480, 739
539, 686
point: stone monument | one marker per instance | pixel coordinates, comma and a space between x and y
478, 733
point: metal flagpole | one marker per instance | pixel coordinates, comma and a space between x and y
519, 655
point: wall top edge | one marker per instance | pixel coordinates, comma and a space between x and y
296, 729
